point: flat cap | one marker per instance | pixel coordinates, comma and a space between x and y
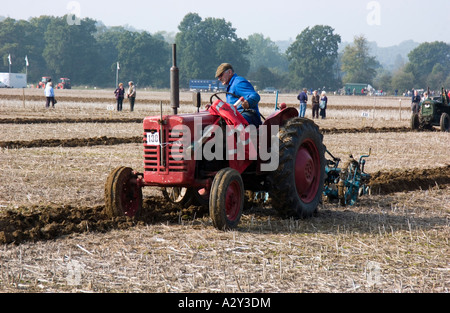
222, 68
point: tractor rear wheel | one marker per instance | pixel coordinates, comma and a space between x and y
226, 199
122, 195
445, 122
297, 184
415, 122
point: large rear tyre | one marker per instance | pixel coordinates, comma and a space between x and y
415, 122
445, 122
122, 195
297, 184
226, 201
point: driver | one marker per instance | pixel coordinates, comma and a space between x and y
240, 87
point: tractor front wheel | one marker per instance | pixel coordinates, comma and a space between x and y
226, 201
122, 195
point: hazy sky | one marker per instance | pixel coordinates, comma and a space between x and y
388, 22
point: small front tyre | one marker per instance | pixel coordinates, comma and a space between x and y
226, 201
123, 197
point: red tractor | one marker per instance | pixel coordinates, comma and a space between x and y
183, 154
43, 82
64, 83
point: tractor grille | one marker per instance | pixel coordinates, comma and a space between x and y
160, 158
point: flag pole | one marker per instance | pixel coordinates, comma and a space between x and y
117, 74
9, 59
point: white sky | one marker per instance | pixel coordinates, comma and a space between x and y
388, 22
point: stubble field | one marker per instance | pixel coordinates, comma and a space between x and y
54, 236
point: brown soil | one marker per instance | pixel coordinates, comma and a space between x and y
408, 180
74, 142
103, 140
49, 222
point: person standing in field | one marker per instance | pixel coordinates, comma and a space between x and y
303, 98
131, 94
49, 95
415, 102
323, 105
120, 94
315, 104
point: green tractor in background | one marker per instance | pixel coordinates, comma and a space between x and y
433, 112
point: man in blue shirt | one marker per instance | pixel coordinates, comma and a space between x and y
303, 97
240, 87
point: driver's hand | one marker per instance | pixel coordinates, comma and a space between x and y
245, 105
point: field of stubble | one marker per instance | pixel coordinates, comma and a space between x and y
54, 236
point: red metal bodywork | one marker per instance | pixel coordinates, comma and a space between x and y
162, 169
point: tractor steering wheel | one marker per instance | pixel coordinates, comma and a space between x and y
218, 93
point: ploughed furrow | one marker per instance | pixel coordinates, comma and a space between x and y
409, 180
68, 120
327, 131
74, 142
104, 141
50, 222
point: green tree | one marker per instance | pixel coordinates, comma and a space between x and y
71, 50
424, 58
145, 59
312, 58
15, 40
402, 80
108, 40
447, 83
37, 64
265, 53
264, 77
436, 78
383, 80
357, 64
204, 44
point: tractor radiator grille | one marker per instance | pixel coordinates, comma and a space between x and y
159, 158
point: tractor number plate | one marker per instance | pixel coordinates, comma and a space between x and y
153, 139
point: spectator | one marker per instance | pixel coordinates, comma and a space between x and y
131, 94
323, 105
49, 95
303, 97
120, 94
238, 87
315, 104
415, 102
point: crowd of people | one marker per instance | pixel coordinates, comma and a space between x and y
238, 87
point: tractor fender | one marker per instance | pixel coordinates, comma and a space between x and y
280, 117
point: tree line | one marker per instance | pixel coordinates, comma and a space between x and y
88, 53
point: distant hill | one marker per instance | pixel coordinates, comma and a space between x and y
392, 57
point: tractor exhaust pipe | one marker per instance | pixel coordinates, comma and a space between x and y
174, 82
